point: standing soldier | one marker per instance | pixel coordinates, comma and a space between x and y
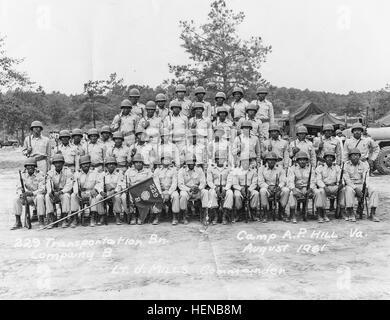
355, 174
185, 104
111, 180
38, 147
328, 178
200, 124
77, 135
239, 104
59, 188
256, 123
368, 148
244, 183
245, 145
165, 179
272, 179
134, 175
223, 122
126, 122
34, 193
167, 147
196, 150
207, 112
120, 152
144, 148
192, 182
137, 108
217, 175
327, 142
220, 99
162, 111
297, 180
67, 150
96, 150
106, 137
219, 146
89, 183
265, 111
278, 145
303, 144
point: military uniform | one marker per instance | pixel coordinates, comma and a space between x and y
169, 148
239, 108
265, 113
186, 105
280, 147
216, 148
126, 124
248, 146
227, 127
203, 127
217, 177
122, 156
109, 143
368, 148
97, 152
305, 146
152, 128
147, 152
41, 151
177, 126
69, 153
332, 144
256, 126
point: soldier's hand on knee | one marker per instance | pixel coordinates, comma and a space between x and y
94, 193
103, 194
358, 192
242, 192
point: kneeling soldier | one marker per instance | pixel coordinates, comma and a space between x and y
59, 188
356, 172
217, 179
34, 186
298, 179
86, 191
272, 182
165, 179
328, 177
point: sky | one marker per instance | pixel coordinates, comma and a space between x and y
325, 45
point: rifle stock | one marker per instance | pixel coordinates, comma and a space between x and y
307, 195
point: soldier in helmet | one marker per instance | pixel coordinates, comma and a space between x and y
256, 123
196, 149
272, 179
220, 145
192, 182
297, 181
161, 111
355, 171
265, 110
220, 99
86, 189
177, 124
95, 149
302, 144
67, 150
202, 125
207, 112
34, 184
245, 144
278, 145
222, 121
59, 188
111, 180
368, 148
185, 103
165, 179
217, 175
38, 147
239, 104
106, 137
143, 147
126, 122
167, 147
327, 142
120, 152
78, 147
135, 175
152, 124
328, 178
138, 109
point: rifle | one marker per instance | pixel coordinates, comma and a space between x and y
304, 213
27, 217
127, 200
246, 200
105, 191
83, 203
337, 212
220, 208
360, 207
274, 198
56, 201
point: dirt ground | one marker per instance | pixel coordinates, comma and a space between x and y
243, 261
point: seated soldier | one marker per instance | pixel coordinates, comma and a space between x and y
328, 177
298, 179
272, 182
355, 173
34, 194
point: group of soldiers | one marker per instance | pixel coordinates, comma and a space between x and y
229, 162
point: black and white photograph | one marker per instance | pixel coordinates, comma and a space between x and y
214, 151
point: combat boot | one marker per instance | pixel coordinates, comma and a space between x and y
280, 212
225, 218
73, 223
265, 215
257, 215
64, 223
92, 222
50, 219
41, 221
174, 219
326, 218
133, 220
18, 223
234, 215
293, 216
351, 214
372, 215
320, 212
215, 216
118, 219
331, 207
155, 221
185, 217
345, 214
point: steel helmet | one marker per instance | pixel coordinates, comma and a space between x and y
111, 160
175, 104
220, 95
138, 158
84, 160
329, 153
357, 125
261, 90
246, 124
58, 158
198, 105
222, 109
117, 135
77, 132
93, 131
161, 97
237, 89
355, 151
302, 129
181, 88
150, 105
271, 155
64, 133
126, 104
30, 162
134, 92
200, 90
328, 127
105, 129
302, 155
36, 124
251, 106
274, 127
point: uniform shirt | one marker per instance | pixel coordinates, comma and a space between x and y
241, 178
40, 146
354, 175
69, 153
112, 181
166, 179
328, 176
208, 109
298, 177
190, 178
268, 177
177, 126
368, 148
265, 111
228, 108
134, 176
138, 110
88, 181
306, 146
79, 151
227, 126
332, 144
239, 108
153, 129
279, 146
146, 150
218, 148
162, 113
125, 124
256, 126
247, 146
170, 149
122, 154
97, 152
203, 127
198, 150
62, 181
34, 183
217, 176
109, 143
185, 107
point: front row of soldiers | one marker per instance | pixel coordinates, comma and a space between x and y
226, 192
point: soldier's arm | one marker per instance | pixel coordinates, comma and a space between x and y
156, 180
347, 177
313, 178
338, 152
115, 123
26, 145
261, 181
253, 181
319, 181
271, 113
210, 181
41, 185
99, 185
345, 151
202, 184
180, 181
119, 182
229, 181
174, 183
291, 179
282, 178
258, 150
68, 187
374, 150
286, 157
